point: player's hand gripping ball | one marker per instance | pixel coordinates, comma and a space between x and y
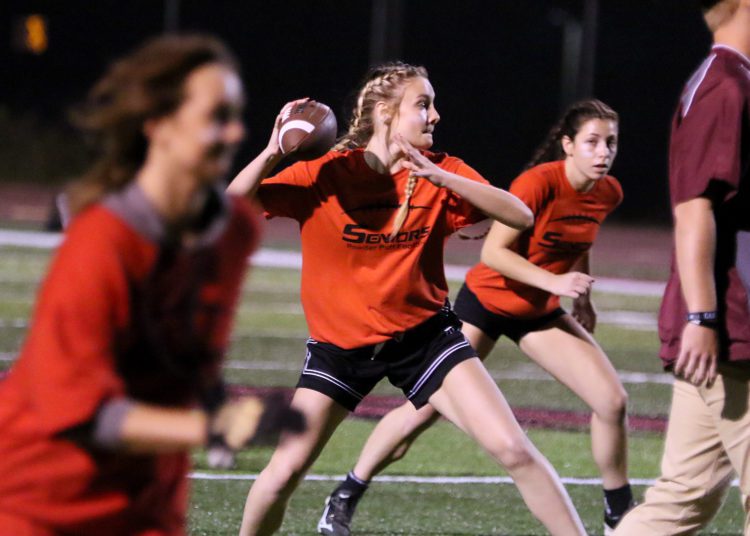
308, 129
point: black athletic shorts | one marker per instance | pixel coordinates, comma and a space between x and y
470, 310
416, 362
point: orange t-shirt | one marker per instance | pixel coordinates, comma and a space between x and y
565, 226
359, 286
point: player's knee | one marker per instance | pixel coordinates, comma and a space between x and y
514, 453
613, 408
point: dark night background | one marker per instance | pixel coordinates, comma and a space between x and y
496, 67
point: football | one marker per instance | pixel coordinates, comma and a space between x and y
308, 129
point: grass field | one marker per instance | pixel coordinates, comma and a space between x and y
267, 350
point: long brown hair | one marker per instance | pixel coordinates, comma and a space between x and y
146, 84
569, 125
551, 149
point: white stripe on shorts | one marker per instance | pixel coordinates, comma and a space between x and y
435, 364
325, 376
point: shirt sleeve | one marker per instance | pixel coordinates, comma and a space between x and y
289, 193
617, 193
533, 189
707, 145
461, 213
70, 346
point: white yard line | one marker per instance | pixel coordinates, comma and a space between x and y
273, 258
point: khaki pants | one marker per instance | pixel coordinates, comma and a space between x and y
707, 443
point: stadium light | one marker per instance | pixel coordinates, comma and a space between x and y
30, 34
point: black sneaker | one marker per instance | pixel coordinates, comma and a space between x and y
610, 524
337, 516
611, 521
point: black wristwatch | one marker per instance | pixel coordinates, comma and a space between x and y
708, 319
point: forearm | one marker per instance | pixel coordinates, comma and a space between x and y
247, 181
695, 246
138, 427
494, 202
512, 265
583, 265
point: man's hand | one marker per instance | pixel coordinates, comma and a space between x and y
699, 348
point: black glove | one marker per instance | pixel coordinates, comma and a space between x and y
249, 420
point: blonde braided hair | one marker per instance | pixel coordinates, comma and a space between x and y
383, 83
403, 210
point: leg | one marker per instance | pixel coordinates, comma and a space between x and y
392, 437
388, 443
565, 350
695, 472
266, 502
395, 433
470, 399
728, 400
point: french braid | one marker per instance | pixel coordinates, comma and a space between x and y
382, 84
403, 210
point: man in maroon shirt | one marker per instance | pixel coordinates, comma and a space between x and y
704, 324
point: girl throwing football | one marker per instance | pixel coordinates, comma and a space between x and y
374, 214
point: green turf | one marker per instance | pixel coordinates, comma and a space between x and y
268, 343
428, 509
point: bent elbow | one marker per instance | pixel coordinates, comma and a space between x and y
517, 214
234, 188
484, 258
523, 220
528, 219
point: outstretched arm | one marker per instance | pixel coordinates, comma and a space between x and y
498, 204
143, 427
124, 424
496, 254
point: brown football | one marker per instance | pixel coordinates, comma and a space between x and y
308, 130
